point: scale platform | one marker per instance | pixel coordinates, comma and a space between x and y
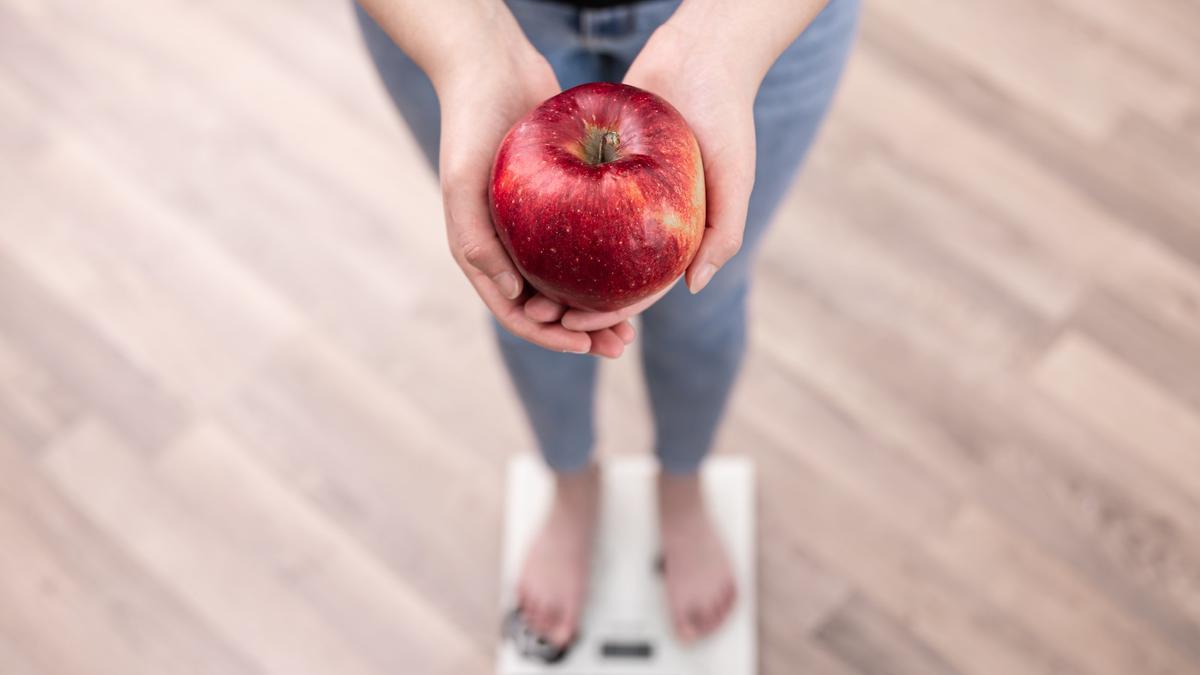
626, 628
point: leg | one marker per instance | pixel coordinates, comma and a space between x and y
693, 345
556, 390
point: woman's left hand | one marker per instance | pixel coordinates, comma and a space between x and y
718, 103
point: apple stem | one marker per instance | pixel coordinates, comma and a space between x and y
607, 150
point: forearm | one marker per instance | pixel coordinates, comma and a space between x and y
746, 36
446, 37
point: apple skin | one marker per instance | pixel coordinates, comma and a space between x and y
598, 195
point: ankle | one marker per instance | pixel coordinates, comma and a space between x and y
578, 486
679, 488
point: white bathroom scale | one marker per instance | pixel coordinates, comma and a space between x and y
625, 628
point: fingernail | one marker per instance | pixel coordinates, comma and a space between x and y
572, 351
507, 283
701, 279
632, 335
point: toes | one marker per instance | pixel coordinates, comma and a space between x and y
535, 616
551, 618
718, 611
563, 630
685, 632
548, 620
697, 618
687, 624
729, 600
524, 603
704, 619
545, 624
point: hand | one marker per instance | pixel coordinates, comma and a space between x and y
718, 104
480, 100
544, 309
487, 75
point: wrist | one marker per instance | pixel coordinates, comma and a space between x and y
499, 49
741, 38
736, 68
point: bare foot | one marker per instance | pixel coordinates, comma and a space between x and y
699, 578
553, 583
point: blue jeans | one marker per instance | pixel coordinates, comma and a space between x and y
692, 345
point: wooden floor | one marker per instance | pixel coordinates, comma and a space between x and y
252, 421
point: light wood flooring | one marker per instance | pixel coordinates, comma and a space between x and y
252, 421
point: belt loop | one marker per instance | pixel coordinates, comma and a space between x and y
606, 22
580, 22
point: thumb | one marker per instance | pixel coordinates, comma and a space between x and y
729, 166
474, 243
728, 203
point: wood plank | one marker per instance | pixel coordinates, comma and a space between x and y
863, 543
819, 431
916, 208
351, 235
51, 335
884, 288
1163, 35
803, 656
1098, 387
74, 602
378, 611
13, 660
932, 117
1108, 195
1159, 282
1022, 580
33, 405
1019, 45
20, 140
312, 407
1014, 453
249, 602
1167, 356
448, 390
319, 43
166, 297
873, 642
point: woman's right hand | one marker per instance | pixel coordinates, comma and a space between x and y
481, 96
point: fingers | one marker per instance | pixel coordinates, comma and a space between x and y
717, 247
625, 331
606, 343
609, 340
515, 317
723, 235
585, 320
582, 319
478, 250
728, 181
511, 315
544, 310
473, 239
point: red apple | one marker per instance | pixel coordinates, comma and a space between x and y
598, 195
